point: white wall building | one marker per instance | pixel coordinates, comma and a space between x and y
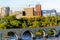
5, 11
18, 14
46, 13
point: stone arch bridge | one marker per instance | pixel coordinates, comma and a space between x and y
19, 32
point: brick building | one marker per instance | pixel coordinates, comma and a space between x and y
29, 12
38, 10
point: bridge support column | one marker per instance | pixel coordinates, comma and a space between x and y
1, 36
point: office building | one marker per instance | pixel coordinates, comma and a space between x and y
5, 11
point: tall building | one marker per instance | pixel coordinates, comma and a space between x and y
28, 12
38, 10
5, 11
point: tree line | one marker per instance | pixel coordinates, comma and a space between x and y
9, 22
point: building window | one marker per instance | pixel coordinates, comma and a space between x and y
24, 14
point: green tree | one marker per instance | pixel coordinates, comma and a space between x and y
30, 22
2, 26
47, 21
9, 18
24, 25
39, 33
15, 23
35, 24
51, 32
58, 20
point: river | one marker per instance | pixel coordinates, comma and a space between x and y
49, 38
27, 36
37, 38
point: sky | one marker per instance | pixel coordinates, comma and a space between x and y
20, 4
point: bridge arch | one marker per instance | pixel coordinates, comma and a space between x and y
28, 35
10, 34
44, 33
41, 32
52, 32
30, 32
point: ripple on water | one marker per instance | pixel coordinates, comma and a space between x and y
37, 38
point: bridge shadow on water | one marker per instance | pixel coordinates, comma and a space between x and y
27, 36
11, 36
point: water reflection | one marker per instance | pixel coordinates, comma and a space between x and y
12, 38
39, 38
42, 38
26, 36
50, 38
58, 37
